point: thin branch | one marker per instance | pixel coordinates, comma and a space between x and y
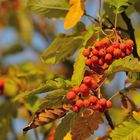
110, 122
131, 30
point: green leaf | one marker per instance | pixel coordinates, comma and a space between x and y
62, 48
118, 5
50, 8
48, 86
128, 130
64, 127
32, 103
127, 64
53, 99
79, 66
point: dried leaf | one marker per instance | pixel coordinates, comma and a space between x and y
46, 116
86, 124
75, 12
127, 104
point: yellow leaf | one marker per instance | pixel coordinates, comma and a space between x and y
68, 137
75, 13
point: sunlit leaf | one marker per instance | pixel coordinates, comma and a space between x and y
75, 13
49, 8
79, 66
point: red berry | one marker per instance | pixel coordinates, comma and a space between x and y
102, 52
88, 62
86, 103
85, 94
93, 85
76, 89
87, 80
123, 46
1, 81
102, 101
108, 57
94, 59
101, 61
86, 52
117, 53
75, 109
71, 95
84, 88
96, 107
128, 51
79, 103
122, 55
106, 41
116, 44
93, 99
110, 50
108, 104
95, 52
98, 45
129, 42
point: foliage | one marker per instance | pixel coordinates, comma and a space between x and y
68, 44
51, 9
35, 82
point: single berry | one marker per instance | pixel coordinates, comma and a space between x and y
86, 52
71, 95
87, 80
1, 81
105, 41
108, 57
75, 109
102, 101
93, 99
95, 52
102, 52
93, 85
110, 50
117, 52
84, 88
76, 89
98, 45
86, 103
122, 55
85, 94
108, 104
128, 51
129, 42
116, 44
88, 62
96, 107
101, 61
94, 59
123, 47
79, 103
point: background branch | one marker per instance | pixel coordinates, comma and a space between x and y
131, 30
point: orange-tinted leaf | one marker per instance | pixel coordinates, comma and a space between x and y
75, 13
46, 116
86, 124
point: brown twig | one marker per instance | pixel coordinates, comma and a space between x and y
108, 118
131, 30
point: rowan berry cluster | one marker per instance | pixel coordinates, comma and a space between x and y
82, 96
6, 5
104, 52
98, 60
